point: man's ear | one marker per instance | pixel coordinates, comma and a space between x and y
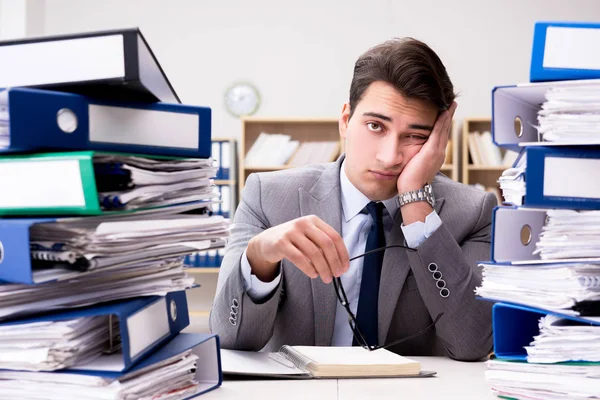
344, 120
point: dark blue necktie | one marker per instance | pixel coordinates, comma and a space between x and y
366, 316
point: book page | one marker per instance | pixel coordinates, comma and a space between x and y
351, 356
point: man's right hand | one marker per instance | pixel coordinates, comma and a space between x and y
308, 242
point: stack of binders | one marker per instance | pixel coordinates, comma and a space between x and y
544, 273
105, 187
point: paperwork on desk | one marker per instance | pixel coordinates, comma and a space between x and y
512, 181
61, 249
147, 278
559, 381
52, 345
557, 287
132, 182
569, 234
562, 340
571, 114
171, 379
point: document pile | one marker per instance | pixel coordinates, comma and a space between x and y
544, 272
108, 190
512, 181
571, 113
562, 340
133, 182
181, 369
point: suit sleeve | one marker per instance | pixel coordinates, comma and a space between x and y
465, 327
241, 322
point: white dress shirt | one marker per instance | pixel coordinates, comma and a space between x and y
356, 223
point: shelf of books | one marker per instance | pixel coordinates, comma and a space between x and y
482, 161
270, 144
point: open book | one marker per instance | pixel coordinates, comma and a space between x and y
320, 362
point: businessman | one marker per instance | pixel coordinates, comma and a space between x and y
296, 230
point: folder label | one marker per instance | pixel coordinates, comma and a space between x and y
155, 316
36, 183
559, 179
143, 127
105, 59
577, 48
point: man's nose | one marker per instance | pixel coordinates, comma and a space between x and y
388, 153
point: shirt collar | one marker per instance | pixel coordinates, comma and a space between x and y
354, 201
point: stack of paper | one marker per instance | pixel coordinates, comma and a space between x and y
562, 340
60, 247
52, 345
570, 234
558, 287
522, 380
512, 182
571, 114
171, 379
140, 279
131, 182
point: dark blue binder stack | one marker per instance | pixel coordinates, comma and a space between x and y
106, 186
544, 273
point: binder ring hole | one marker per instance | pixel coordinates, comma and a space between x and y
173, 310
1, 252
518, 126
66, 120
525, 235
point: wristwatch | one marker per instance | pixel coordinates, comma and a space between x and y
424, 194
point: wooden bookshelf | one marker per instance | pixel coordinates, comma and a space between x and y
301, 129
486, 175
450, 167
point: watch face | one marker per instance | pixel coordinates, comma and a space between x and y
242, 99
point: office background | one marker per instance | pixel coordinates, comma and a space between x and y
300, 54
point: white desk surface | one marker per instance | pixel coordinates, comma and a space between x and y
454, 380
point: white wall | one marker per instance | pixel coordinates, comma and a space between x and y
301, 54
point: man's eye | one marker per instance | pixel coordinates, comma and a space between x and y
418, 137
374, 126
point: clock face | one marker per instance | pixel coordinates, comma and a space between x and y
242, 99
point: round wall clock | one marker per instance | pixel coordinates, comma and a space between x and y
242, 99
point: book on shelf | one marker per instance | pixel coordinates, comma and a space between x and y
276, 150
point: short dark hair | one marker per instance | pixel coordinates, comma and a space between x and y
409, 65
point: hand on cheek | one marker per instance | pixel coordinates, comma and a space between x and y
422, 168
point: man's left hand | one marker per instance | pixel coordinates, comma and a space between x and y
422, 168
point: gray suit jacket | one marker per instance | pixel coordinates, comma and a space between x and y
301, 311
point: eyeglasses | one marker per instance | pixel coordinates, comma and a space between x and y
360, 338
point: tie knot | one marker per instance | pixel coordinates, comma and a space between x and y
375, 210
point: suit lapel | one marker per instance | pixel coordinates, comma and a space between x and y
323, 200
393, 274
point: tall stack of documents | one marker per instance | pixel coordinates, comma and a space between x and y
544, 273
106, 189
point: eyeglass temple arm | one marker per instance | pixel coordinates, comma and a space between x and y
381, 249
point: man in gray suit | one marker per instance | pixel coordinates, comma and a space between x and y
296, 230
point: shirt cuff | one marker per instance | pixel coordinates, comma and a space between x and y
418, 231
256, 289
